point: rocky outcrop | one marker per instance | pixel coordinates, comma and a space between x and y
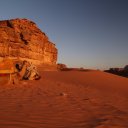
61, 66
22, 39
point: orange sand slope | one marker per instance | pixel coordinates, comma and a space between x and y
68, 99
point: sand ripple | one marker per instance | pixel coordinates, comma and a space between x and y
56, 104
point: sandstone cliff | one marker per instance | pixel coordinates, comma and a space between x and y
22, 39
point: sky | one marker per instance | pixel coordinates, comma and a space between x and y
87, 33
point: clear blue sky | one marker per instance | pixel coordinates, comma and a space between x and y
87, 33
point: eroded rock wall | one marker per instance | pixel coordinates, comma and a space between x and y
21, 38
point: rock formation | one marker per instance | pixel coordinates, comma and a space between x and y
22, 39
61, 66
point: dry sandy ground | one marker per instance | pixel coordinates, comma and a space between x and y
68, 99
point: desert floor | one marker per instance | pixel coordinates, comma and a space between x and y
67, 99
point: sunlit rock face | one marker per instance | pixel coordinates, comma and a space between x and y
22, 39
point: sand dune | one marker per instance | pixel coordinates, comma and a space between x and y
68, 99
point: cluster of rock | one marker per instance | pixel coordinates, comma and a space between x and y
119, 71
61, 66
22, 39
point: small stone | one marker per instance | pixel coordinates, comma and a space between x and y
63, 94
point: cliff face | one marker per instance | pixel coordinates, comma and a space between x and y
21, 38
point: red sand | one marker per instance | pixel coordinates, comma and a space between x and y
68, 99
